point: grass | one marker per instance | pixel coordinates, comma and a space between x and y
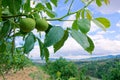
39, 74
31, 72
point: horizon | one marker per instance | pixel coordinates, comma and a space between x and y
89, 57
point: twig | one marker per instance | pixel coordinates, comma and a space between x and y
60, 19
70, 7
14, 16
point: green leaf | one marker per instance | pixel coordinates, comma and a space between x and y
27, 7
14, 6
55, 2
75, 25
2, 47
49, 6
5, 3
78, 15
29, 42
39, 7
5, 29
91, 47
41, 47
53, 36
99, 2
99, 24
88, 15
44, 52
83, 13
59, 44
36, 15
84, 25
49, 27
80, 38
106, 2
0, 10
104, 21
50, 13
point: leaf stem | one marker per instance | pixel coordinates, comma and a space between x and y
61, 18
70, 7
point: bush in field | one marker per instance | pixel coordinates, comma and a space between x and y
66, 68
114, 73
82, 74
13, 62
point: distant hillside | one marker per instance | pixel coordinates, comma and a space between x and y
105, 68
38, 60
101, 58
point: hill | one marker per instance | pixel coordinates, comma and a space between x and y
105, 68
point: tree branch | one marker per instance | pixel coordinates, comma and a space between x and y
54, 19
58, 20
61, 18
13, 16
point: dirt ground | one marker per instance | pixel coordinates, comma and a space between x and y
20, 75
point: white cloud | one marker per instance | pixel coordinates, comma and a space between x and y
101, 32
19, 41
111, 8
111, 32
78, 57
118, 24
68, 23
35, 53
107, 45
97, 37
105, 32
118, 11
117, 37
94, 27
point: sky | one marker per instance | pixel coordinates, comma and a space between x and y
106, 42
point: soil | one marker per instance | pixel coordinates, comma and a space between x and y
21, 75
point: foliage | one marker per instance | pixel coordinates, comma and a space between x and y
82, 75
114, 72
62, 68
104, 69
13, 62
12, 11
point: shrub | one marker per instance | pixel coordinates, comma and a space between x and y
13, 62
114, 74
66, 68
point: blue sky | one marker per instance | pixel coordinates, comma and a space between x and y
106, 43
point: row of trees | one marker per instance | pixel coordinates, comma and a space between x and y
104, 69
61, 69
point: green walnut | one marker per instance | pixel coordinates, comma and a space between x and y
41, 24
27, 24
